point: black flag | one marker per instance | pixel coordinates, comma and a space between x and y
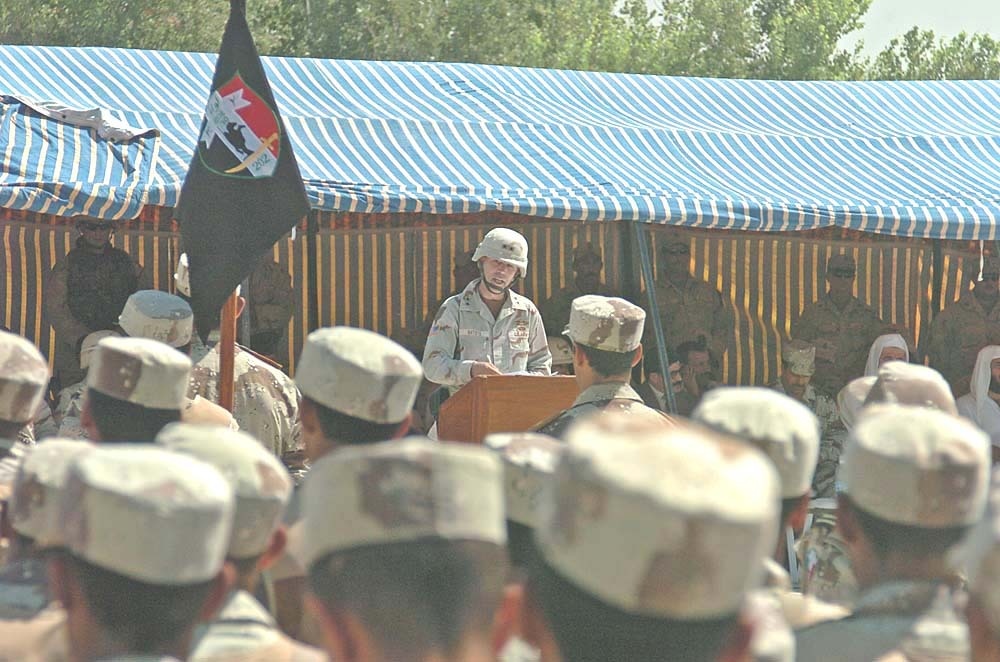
243, 190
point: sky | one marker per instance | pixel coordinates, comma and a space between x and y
890, 18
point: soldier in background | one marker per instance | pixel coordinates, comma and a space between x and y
265, 401
787, 432
404, 542
587, 267
653, 390
914, 480
981, 404
135, 387
24, 377
649, 542
130, 579
270, 303
689, 307
798, 366
31, 627
840, 326
606, 334
243, 629
85, 292
966, 326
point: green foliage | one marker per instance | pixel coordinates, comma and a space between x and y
775, 39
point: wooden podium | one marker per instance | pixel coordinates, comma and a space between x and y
503, 403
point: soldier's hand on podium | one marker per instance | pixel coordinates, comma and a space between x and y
480, 368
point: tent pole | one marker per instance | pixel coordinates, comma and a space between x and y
642, 241
312, 271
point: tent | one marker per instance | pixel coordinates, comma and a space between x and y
406, 163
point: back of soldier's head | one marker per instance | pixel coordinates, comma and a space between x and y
608, 329
914, 478
650, 539
135, 386
408, 537
145, 533
24, 376
361, 384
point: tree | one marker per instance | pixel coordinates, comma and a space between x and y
918, 55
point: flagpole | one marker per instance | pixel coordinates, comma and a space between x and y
227, 351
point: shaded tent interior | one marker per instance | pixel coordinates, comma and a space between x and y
378, 249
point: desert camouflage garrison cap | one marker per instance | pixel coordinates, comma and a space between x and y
147, 513
157, 315
90, 342
851, 399
799, 357
916, 466
34, 503
24, 376
784, 429
661, 522
562, 353
260, 482
141, 371
606, 323
901, 383
402, 491
359, 373
978, 557
529, 459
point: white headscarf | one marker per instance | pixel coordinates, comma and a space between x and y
987, 411
875, 353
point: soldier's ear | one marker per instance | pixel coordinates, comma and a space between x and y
637, 356
344, 637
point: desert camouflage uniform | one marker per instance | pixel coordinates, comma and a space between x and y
797, 609
265, 402
270, 304
826, 566
957, 334
832, 435
465, 331
611, 396
842, 339
917, 620
243, 630
694, 308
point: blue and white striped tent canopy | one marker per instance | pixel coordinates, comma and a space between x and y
919, 159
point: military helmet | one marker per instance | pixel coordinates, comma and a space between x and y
505, 245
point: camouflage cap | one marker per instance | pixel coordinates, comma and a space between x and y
359, 373
978, 556
916, 466
141, 371
24, 376
662, 522
562, 352
799, 357
851, 399
402, 491
901, 383
785, 429
529, 459
38, 488
89, 344
158, 315
261, 483
606, 323
841, 261
134, 509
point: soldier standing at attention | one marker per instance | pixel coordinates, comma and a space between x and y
587, 267
146, 533
798, 365
243, 630
966, 326
840, 326
404, 542
606, 334
488, 329
689, 307
914, 480
649, 542
85, 292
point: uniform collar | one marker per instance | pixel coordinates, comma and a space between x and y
243, 607
469, 299
607, 391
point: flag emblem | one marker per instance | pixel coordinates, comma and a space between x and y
241, 136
